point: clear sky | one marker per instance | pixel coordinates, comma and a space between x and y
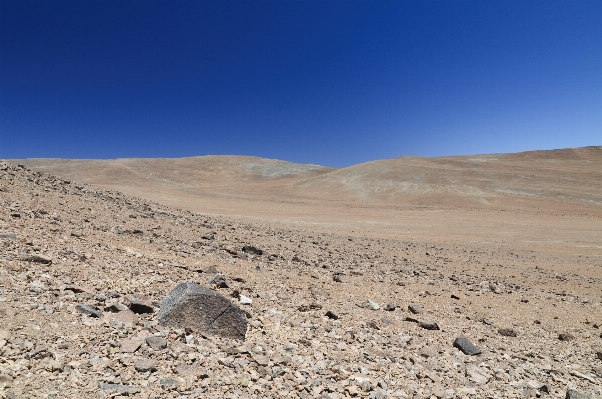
327, 82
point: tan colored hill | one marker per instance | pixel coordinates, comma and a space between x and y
561, 177
547, 200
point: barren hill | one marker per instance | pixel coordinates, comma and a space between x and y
569, 176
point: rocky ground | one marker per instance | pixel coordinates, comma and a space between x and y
82, 271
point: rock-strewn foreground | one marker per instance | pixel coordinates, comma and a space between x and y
82, 272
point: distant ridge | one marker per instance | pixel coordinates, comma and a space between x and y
565, 175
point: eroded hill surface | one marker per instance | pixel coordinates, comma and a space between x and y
68, 250
566, 178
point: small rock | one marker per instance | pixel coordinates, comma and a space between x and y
245, 300
218, 280
476, 374
36, 258
156, 343
466, 346
250, 249
126, 389
507, 332
131, 345
333, 316
143, 365
574, 394
169, 383
337, 278
391, 307
599, 355
415, 309
126, 317
5, 379
89, 311
369, 304
7, 235
566, 337
429, 325
453, 296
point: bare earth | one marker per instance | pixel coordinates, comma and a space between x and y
481, 243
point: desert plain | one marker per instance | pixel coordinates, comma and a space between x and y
355, 282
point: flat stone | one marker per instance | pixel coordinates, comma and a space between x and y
130, 390
143, 365
369, 304
168, 382
90, 311
507, 332
415, 309
466, 346
5, 379
574, 394
429, 325
8, 235
203, 310
156, 343
126, 317
184, 369
131, 345
391, 307
476, 374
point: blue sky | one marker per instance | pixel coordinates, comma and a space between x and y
327, 82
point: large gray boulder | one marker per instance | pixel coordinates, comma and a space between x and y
203, 310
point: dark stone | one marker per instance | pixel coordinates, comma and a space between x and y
37, 258
574, 394
429, 325
331, 315
89, 311
507, 332
544, 389
250, 249
337, 278
466, 346
566, 337
415, 309
455, 296
203, 310
391, 307
411, 320
219, 280
599, 355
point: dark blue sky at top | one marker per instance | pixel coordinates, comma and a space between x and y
327, 82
